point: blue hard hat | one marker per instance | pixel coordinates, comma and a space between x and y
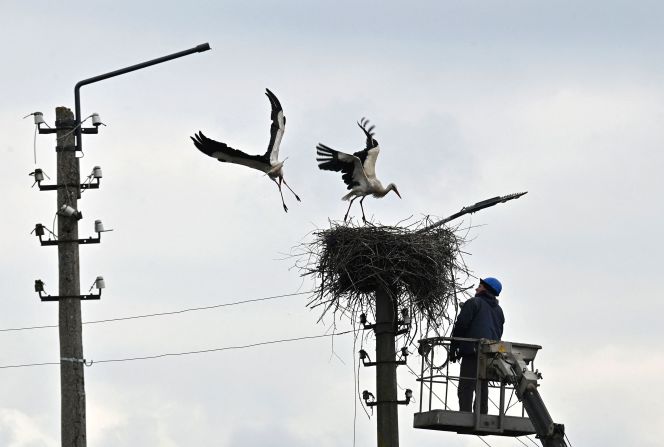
492, 284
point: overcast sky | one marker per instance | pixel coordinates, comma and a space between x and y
471, 99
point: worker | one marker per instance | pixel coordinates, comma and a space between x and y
480, 317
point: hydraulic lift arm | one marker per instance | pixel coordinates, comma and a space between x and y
508, 365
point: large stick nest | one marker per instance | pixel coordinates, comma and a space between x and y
421, 270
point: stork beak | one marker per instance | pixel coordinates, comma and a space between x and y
397, 192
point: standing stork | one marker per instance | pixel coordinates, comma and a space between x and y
359, 169
267, 163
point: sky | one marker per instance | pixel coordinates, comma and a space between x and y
472, 99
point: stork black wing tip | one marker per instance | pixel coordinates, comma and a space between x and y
273, 99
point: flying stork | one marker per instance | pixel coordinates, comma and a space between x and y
359, 169
267, 163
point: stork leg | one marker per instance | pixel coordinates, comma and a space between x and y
349, 205
362, 207
296, 196
281, 193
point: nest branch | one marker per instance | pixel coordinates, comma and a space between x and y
424, 270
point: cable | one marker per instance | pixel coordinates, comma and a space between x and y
192, 309
25, 365
34, 143
159, 314
357, 377
28, 328
227, 348
74, 129
357, 392
175, 354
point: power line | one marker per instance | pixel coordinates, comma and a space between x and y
192, 309
174, 354
25, 365
159, 314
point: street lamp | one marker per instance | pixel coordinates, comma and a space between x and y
77, 88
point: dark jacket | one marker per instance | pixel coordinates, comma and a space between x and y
480, 317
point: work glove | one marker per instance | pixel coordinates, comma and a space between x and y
453, 356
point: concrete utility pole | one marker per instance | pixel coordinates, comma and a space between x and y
72, 383
386, 369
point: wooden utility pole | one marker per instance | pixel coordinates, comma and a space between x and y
72, 383
386, 369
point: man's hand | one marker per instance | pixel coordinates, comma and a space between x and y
453, 356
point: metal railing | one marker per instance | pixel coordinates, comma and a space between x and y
436, 380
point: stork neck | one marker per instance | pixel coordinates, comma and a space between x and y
383, 191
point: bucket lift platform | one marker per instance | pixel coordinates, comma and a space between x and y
468, 424
509, 368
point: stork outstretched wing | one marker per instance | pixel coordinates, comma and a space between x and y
369, 154
268, 162
276, 129
223, 152
332, 160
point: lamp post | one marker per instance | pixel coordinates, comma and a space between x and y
77, 89
69, 127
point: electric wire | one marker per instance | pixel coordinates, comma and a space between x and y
356, 397
74, 129
532, 441
34, 144
194, 309
159, 314
176, 354
357, 377
522, 443
26, 365
355, 388
53, 224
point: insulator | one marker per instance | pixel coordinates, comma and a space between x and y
39, 118
68, 211
96, 120
39, 175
